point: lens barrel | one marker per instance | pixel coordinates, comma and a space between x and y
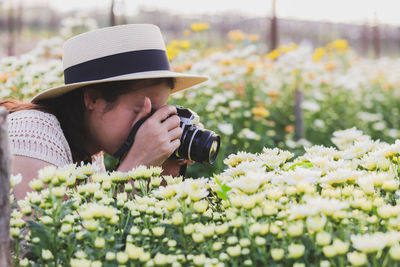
199, 145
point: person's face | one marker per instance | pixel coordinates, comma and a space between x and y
108, 130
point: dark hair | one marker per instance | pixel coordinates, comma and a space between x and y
69, 109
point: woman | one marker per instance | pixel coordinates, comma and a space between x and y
113, 77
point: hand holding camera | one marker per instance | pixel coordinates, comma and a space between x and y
170, 136
157, 138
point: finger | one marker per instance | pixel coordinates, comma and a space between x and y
175, 144
162, 113
175, 133
172, 122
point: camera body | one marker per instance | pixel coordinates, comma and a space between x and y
197, 144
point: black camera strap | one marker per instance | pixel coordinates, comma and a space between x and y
129, 141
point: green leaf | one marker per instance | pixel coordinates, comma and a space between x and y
305, 164
225, 188
222, 195
216, 179
267, 167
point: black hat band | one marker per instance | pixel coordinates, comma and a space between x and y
116, 65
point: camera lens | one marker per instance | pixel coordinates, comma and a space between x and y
199, 145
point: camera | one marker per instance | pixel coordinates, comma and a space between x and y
197, 144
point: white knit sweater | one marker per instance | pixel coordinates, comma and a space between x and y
37, 134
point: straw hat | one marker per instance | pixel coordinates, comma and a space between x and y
125, 52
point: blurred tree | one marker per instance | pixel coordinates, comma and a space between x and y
377, 41
274, 27
112, 14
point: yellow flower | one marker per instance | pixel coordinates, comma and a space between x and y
260, 111
339, 44
184, 44
274, 54
318, 54
200, 26
186, 33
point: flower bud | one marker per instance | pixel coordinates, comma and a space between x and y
329, 251
122, 257
356, 258
234, 251
296, 250
47, 255
99, 242
177, 218
277, 254
323, 238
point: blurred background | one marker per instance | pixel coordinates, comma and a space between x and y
283, 74
370, 26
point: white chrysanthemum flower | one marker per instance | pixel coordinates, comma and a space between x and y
300, 174
225, 128
15, 179
302, 210
321, 151
327, 205
340, 176
368, 243
345, 138
235, 159
248, 134
248, 184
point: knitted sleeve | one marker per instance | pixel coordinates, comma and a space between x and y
37, 134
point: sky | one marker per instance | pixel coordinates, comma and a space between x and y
356, 11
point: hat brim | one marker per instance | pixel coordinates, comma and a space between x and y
182, 81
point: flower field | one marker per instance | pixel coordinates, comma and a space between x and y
307, 175
251, 95
327, 207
